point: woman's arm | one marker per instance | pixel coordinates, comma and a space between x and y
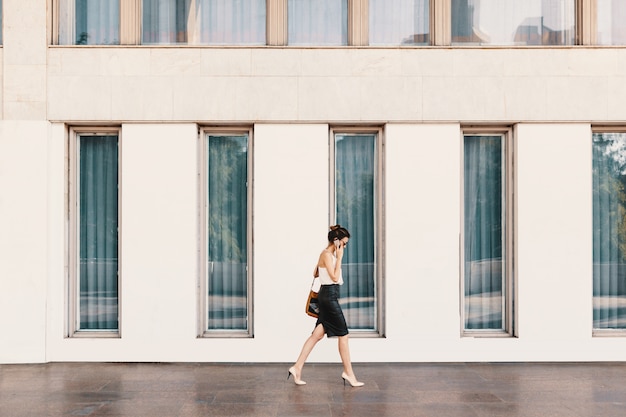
327, 262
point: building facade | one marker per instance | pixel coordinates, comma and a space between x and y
169, 170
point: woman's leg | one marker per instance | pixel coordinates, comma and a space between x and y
348, 373
309, 344
344, 352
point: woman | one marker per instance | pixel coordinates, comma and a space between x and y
331, 320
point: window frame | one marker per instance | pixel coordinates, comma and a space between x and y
510, 230
598, 332
203, 204
72, 329
131, 23
358, 25
379, 217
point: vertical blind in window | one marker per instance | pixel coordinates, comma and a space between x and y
98, 232
319, 22
609, 231
514, 22
355, 197
611, 22
484, 232
89, 22
399, 22
165, 21
227, 237
231, 22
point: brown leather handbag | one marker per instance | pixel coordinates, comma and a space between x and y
312, 306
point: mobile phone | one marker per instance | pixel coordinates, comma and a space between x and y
337, 243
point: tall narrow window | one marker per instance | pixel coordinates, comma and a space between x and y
399, 22
89, 22
95, 270
165, 21
231, 22
227, 233
514, 22
609, 231
487, 289
357, 204
611, 22
320, 22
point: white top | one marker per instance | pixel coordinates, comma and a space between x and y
325, 278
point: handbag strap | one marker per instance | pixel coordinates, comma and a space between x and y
316, 275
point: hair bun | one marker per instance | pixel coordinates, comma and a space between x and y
335, 227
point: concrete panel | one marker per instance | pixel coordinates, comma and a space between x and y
554, 240
464, 84
23, 241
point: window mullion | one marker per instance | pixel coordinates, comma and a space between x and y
130, 22
192, 32
586, 22
276, 26
440, 18
358, 22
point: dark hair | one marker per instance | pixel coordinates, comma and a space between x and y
337, 232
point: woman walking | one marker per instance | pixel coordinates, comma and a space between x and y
331, 320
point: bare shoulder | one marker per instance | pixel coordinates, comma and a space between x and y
325, 258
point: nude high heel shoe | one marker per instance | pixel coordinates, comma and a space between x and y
298, 381
353, 382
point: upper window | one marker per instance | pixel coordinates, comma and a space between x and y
208, 22
487, 233
399, 22
611, 22
514, 22
609, 231
320, 22
94, 247
226, 255
356, 173
231, 22
89, 22
165, 22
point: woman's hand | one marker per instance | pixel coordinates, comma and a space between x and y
339, 251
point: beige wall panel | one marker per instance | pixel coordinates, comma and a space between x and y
290, 84
23, 241
554, 239
24, 59
291, 206
422, 184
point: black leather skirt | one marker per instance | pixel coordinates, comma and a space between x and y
331, 316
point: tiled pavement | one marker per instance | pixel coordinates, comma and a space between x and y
190, 390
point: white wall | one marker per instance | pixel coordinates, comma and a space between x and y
23, 240
336, 85
423, 215
421, 96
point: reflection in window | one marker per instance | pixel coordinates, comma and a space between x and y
226, 234
399, 22
514, 22
484, 232
319, 22
355, 198
609, 231
231, 22
611, 23
165, 21
89, 22
98, 232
